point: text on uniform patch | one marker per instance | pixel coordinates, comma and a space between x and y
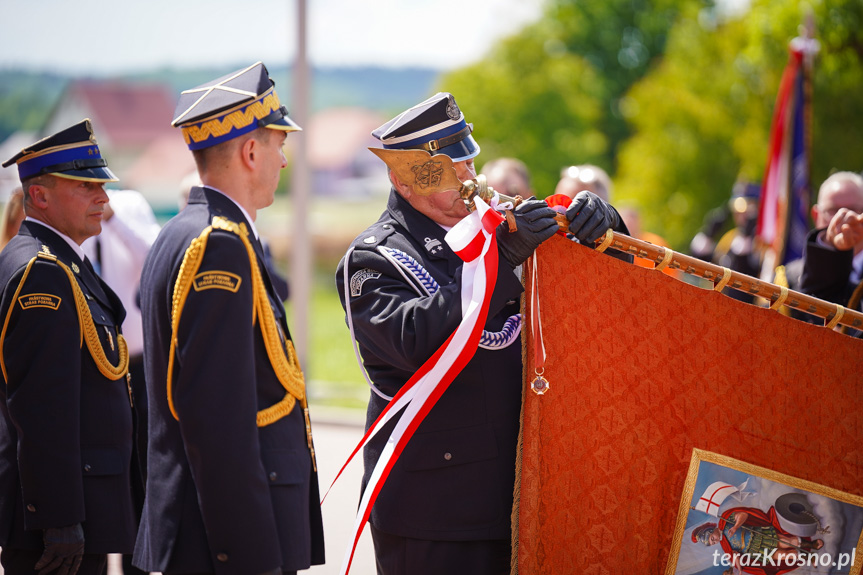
39, 300
217, 280
359, 278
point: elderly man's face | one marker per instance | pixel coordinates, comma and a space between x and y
445, 208
836, 195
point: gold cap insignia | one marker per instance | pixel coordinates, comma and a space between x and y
426, 173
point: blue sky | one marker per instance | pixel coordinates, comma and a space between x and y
116, 36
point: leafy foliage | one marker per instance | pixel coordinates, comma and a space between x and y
551, 95
702, 117
673, 97
26, 99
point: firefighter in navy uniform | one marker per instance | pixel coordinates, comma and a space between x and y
232, 483
446, 505
66, 425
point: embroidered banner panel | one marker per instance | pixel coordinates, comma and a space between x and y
642, 368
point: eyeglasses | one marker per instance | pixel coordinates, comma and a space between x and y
831, 211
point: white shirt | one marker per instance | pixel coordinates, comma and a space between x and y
123, 245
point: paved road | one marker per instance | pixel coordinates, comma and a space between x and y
333, 443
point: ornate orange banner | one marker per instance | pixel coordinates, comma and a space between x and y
642, 368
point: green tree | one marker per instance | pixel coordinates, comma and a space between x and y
551, 95
701, 119
25, 100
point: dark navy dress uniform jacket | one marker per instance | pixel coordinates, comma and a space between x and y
826, 271
454, 480
66, 429
223, 495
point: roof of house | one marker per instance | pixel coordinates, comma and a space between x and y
129, 114
336, 135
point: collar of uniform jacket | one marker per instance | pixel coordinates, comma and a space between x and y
429, 235
67, 255
222, 205
219, 204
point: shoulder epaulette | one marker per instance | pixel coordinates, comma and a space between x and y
88, 330
373, 236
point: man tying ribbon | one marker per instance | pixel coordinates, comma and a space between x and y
445, 505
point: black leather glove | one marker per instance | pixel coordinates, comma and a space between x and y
535, 223
64, 550
589, 217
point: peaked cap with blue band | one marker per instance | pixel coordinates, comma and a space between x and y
436, 125
71, 153
231, 106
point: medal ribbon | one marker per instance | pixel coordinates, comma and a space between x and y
540, 384
535, 320
473, 240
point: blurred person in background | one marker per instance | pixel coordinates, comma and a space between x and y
736, 249
574, 179
833, 256
13, 215
509, 176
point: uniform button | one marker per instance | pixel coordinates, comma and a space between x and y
447, 455
87, 467
31, 508
273, 476
387, 226
370, 240
222, 557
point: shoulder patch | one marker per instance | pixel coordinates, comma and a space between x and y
45, 300
360, 277
216, 279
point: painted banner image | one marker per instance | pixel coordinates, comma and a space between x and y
739, 518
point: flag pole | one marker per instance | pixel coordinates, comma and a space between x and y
301, 251
833, 314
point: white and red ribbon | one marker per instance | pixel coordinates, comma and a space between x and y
473, 240
535, 320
